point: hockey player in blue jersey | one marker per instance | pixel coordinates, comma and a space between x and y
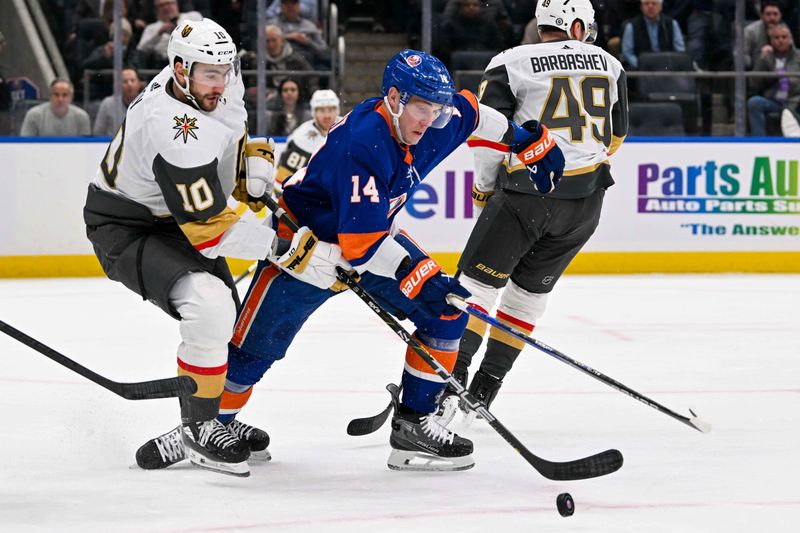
349, 194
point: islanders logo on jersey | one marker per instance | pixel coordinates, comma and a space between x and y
413, 61
185, 127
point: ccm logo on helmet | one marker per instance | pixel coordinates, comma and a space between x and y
413, 61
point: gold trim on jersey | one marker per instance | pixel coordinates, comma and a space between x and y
199, 232
616, 142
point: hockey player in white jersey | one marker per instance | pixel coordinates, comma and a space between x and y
578, 92
309, 136
157, 216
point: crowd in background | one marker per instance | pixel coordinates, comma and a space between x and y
465, 34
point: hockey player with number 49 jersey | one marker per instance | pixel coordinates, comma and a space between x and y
577, 92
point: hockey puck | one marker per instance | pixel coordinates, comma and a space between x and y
565, 504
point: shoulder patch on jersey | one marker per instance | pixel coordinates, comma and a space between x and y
185, 126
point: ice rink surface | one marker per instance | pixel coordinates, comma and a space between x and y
726, 346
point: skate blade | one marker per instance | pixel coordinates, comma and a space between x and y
259, 457
234, 469
423, 462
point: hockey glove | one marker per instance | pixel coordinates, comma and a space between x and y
313, 261
259, 178
479, 197
422, 280
538, 150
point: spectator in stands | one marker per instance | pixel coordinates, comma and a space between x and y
772, 95
281, 56
155, 36
58, 117
287, 110
103, 56
302, 33
308, 9
112, 108
756, 40
651, 31
492, 10
468, 29
5, 93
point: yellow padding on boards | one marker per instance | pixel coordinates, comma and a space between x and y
667, 262
50, 266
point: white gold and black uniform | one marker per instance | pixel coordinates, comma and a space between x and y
300, 146
579, 92
157, 216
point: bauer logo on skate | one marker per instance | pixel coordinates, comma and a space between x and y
767, 186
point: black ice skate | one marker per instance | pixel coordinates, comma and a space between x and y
210, 445
167, 449
484, 387
256, 439
162, 451
421, 442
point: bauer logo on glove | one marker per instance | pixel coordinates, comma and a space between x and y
538, 150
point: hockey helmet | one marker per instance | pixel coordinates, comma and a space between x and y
415, 73
201, 41
562, 13
324, 98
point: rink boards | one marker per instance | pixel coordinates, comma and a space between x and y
678, 205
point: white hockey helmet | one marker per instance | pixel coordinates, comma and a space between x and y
324, 98
562, 13
201, 41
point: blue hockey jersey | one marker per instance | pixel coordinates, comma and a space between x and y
362, 176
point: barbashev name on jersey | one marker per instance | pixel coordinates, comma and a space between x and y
569, 62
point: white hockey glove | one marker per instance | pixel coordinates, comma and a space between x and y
313, 261
259, 176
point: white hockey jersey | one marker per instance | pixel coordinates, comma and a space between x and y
300, 146
578, 91
182, 162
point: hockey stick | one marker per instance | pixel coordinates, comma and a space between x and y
371, 424
250, 270
144, 390
588, 467
693, 421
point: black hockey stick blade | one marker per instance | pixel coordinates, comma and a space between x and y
158, 388
145, 390
371, 424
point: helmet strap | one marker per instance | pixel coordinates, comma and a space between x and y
185, 87
396, 117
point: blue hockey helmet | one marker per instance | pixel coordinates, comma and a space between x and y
416, 73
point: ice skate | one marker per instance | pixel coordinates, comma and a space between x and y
484, 387
210, 445
162, 451
256, 439
420, 442
167, 449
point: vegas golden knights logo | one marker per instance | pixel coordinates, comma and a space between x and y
186, 31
